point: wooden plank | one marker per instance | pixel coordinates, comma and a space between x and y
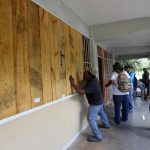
55, 60
100, 51
7, 88
67, 59
74, 56
80, 62
45, 35
35, 54
22, 82
73, 52
62, 65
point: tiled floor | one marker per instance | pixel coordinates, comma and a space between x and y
132, 135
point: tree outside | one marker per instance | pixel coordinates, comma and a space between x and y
138, 65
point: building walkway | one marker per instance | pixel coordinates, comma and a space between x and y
131, 135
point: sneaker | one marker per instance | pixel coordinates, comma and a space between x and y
93, 139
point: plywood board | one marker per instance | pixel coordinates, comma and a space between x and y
7, 88
62, 63
80, 61
67, 59
21, 55
55, 59
35, 54
73, 52
45, 38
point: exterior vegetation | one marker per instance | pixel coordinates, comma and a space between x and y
138, 65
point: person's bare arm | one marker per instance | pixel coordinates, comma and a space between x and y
76, 87
109, 83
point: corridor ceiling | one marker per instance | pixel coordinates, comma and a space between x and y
116, 23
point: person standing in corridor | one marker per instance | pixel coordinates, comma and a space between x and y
95, 99
119, 97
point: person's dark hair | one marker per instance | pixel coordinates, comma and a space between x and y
126, 67
117, 67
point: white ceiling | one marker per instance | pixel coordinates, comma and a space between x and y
97, 13
104, 11
141, 38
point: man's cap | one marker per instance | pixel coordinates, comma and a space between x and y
92, 71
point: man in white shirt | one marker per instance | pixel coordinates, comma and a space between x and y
119, 97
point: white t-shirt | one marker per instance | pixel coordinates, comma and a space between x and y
114, 78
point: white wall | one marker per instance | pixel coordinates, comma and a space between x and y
50, 128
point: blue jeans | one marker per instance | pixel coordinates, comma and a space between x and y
118, 100
93, 112
130, 107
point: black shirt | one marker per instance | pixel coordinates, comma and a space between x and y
93, 92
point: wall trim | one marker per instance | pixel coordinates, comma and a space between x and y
25, 113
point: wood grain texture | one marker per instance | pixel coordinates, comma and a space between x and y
67, 60
7, 88
62, 65
35, 53
80, 61
38, 52
73, 52
55, 59
45, 38
21, 55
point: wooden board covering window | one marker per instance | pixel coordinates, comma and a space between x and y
7, 87
46, 47
35, 54
73, 51
80, 61
62, 56
67, 60
38, 52
21, 55
55, 59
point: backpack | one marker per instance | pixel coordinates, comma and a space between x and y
124, 83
